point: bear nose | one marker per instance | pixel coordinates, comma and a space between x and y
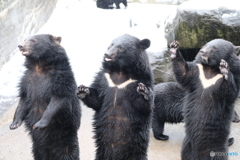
20, 47
107, 55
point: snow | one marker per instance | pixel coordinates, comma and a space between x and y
194, 5
86, 32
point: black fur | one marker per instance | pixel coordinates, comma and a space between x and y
122, 115
108, 4
168, 105
48, 104
208, 111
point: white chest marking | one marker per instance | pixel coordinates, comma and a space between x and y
122, 85
207, 82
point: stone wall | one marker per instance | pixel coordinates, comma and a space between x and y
198, 22
19, 19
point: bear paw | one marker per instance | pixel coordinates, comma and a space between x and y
15, 124
224, 68
173, 49
161, 137
230, 141
41, 124
82, 92
142, 89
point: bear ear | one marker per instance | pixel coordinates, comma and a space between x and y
57, 40
236, 49
145, 43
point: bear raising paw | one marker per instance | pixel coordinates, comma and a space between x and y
173, 49
224, 68
82, 92
142, 89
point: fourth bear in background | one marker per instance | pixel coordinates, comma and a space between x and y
212, 82
108, 4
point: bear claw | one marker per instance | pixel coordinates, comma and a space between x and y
173, 49
82, 91
174, 44
142, 89
224, 68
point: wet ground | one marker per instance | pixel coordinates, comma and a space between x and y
16, 144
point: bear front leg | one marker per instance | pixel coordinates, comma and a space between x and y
19, 115
224, 69
90, 97
82, 92
52, 108
182, 69
142, 89
174, 49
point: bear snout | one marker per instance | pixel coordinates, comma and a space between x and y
20, 47
108, 57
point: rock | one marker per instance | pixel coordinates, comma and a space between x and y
174, 2
199, 21
18, 20
162, 67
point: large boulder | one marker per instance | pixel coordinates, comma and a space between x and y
199, 21
161, 67
18, 19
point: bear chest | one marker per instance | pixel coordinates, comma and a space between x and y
208, 81
38, 86
117, 93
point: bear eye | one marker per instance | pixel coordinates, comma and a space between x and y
32, 40
121, 48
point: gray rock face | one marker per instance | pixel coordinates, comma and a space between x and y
19, 19
161, 67
198, 22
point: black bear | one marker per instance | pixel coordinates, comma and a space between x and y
48, 103
212, 82
168, 105
108, 4
122, 97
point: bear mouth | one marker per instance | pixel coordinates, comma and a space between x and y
205, 59
108, 58
23, 51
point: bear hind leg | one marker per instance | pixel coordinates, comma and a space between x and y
158, 127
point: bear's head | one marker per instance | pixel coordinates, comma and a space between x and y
215, 50
125, 52
38, 46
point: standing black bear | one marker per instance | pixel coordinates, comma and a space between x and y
122, 98
168, 105
48, 102
108, 4
212, 82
